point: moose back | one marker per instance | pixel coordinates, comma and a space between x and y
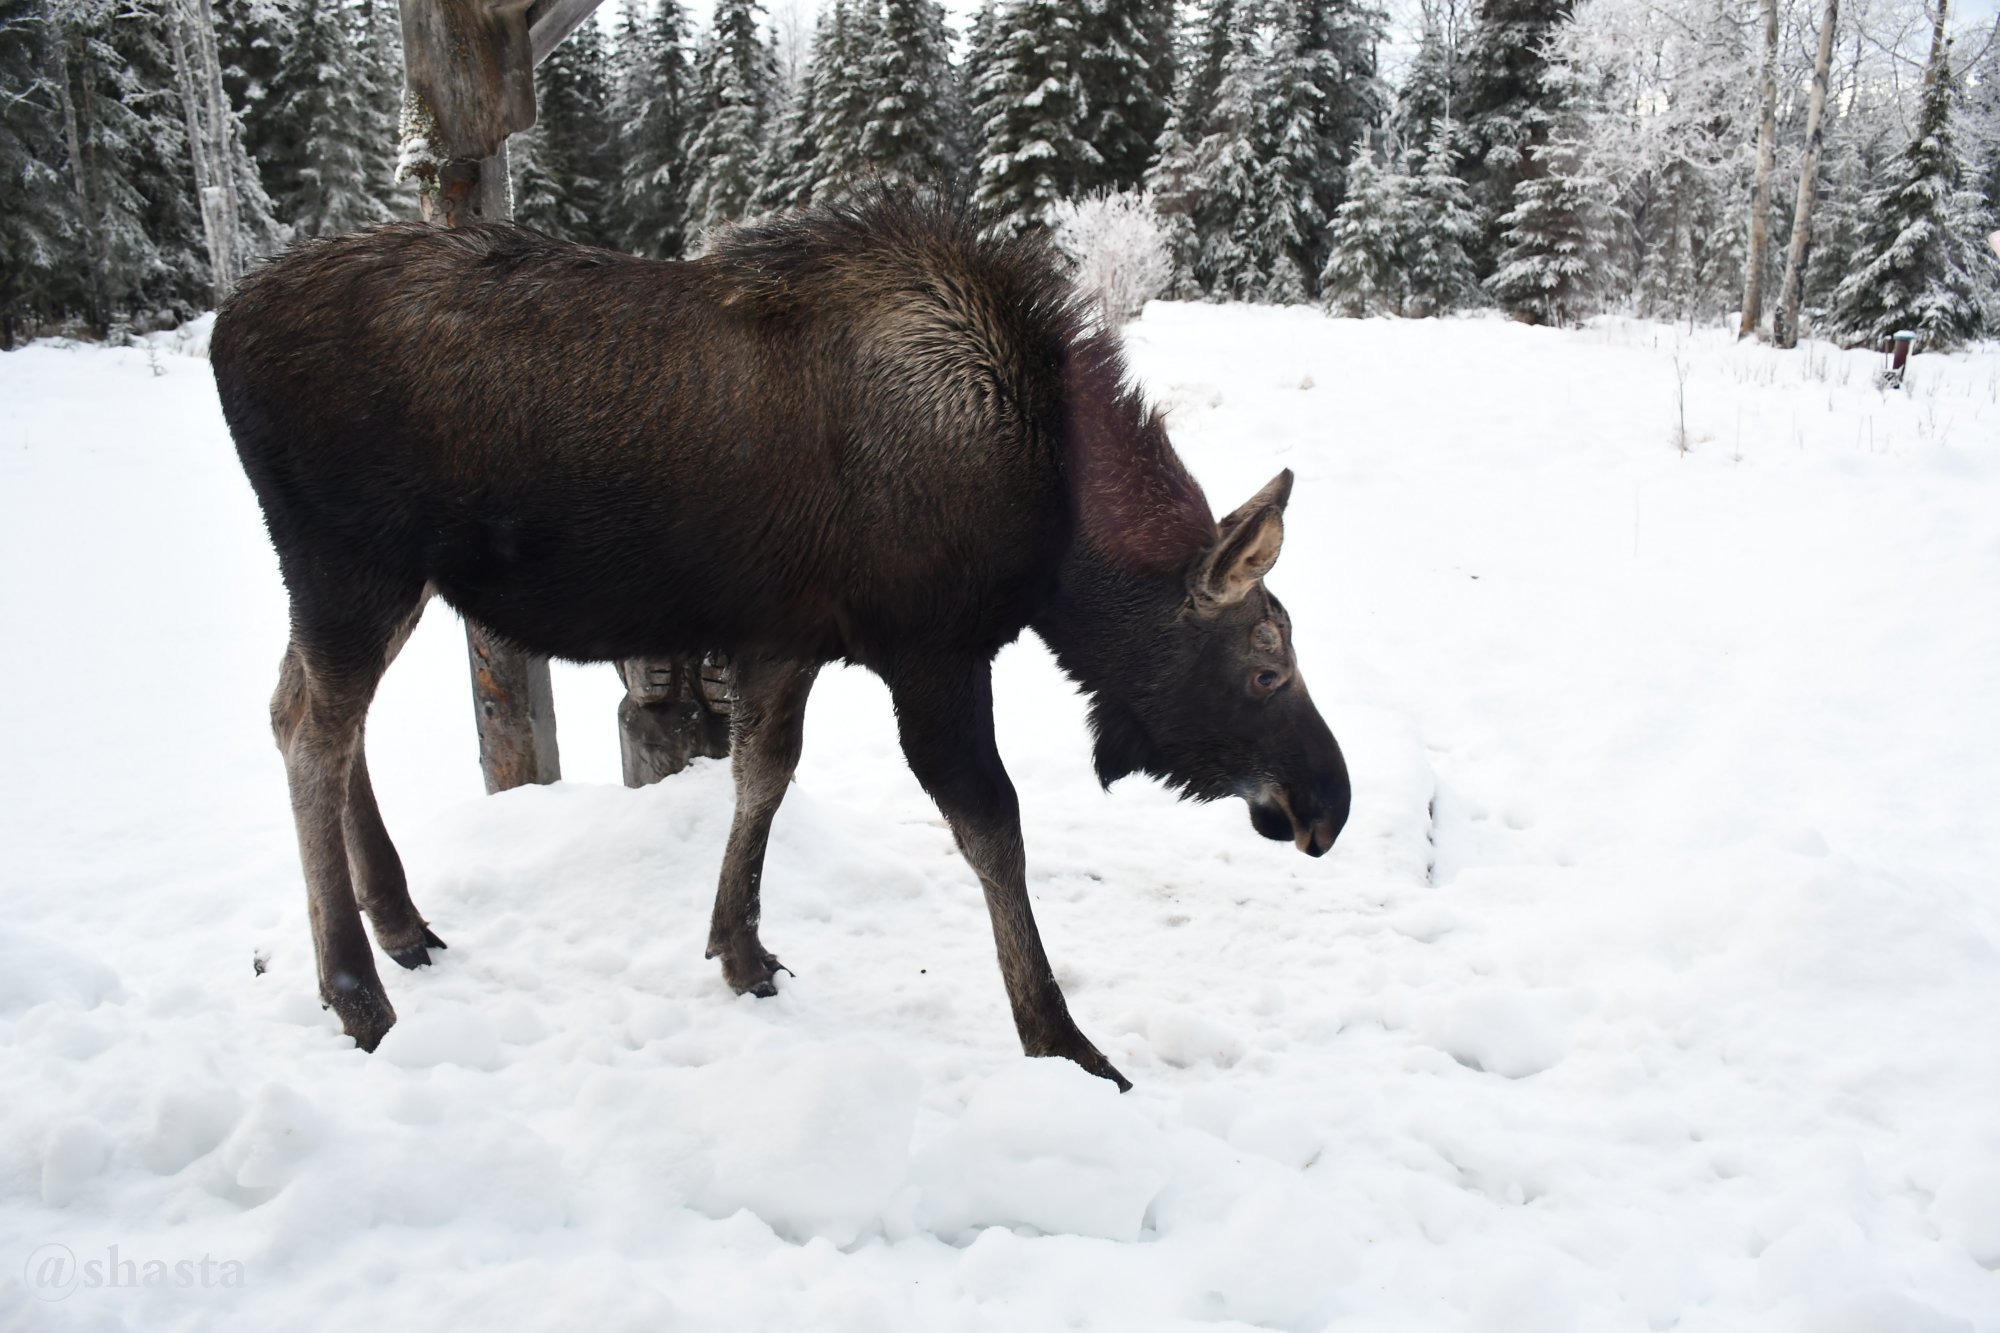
862, 434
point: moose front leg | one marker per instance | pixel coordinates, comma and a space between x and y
767, 730
944, 712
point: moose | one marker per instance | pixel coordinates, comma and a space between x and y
866, 433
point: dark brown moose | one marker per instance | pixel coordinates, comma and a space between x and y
861, 434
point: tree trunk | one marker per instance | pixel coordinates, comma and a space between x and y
1785, 326
1760, 197
195, 65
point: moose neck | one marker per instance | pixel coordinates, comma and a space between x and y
1105, 626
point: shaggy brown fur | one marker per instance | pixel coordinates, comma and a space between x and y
861, 434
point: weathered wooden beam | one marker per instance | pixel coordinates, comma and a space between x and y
513, 701
675, 710
550, 21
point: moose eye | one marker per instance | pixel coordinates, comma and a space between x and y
1265, 681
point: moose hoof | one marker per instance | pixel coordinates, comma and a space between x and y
1092, 1060
364, 1015
417, 955
752, 972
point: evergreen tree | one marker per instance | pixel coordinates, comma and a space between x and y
737, 77
907, 138
843, 95
1365, 270
1982, 116
1923, 262
788, 166
325, 157
1443, 228
982, 53
566, 174
1510, 101
38, 225
1552, 255
1429, 98
1032, 113
1127, 68
126, 156
650, 112
1225, 174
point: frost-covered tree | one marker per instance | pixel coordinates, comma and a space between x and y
1982, 121
1127, 65
564, 169
737, 77
844, 95
38, 224
650, 113
1430, 93
1551, 261
326, 153
1117, 246
1922, 264
1033, 116
1509, 101
909, 135
787, 168
1365, 272
1443, 229
142, 255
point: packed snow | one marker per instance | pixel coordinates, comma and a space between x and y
1653, 985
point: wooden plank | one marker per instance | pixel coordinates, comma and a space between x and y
513, 701
550, 21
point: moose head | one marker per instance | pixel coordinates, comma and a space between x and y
1194, 682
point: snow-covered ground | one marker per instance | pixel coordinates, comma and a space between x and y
1655, 983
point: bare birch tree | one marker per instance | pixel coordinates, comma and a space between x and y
1785, 325
1756, 260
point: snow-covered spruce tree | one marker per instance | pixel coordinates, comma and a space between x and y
1663, 104
38, 223
1509, 101
1172, 180
1032, 116
1923, 264
252, 37
650, 112
1551, 261
1319, 96
1220, 178
1429, 96
1365, 271
844, 95
1857, 153
786, 169
1443, 228
325, 161
1128, 87
982, 54
1982, 121
143, 258
907, 138
565, 172
737, 74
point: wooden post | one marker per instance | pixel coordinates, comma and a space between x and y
469, 84
468, 67
513, 700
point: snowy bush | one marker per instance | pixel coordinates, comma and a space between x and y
1118, 245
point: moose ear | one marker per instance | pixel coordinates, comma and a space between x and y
1246, 546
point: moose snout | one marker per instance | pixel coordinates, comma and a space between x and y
1310, 818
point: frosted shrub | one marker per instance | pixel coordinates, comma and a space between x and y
1118, 245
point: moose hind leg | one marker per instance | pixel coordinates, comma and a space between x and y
379, 880
767, 731
944, 711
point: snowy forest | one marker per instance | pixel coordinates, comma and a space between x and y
1824, 166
